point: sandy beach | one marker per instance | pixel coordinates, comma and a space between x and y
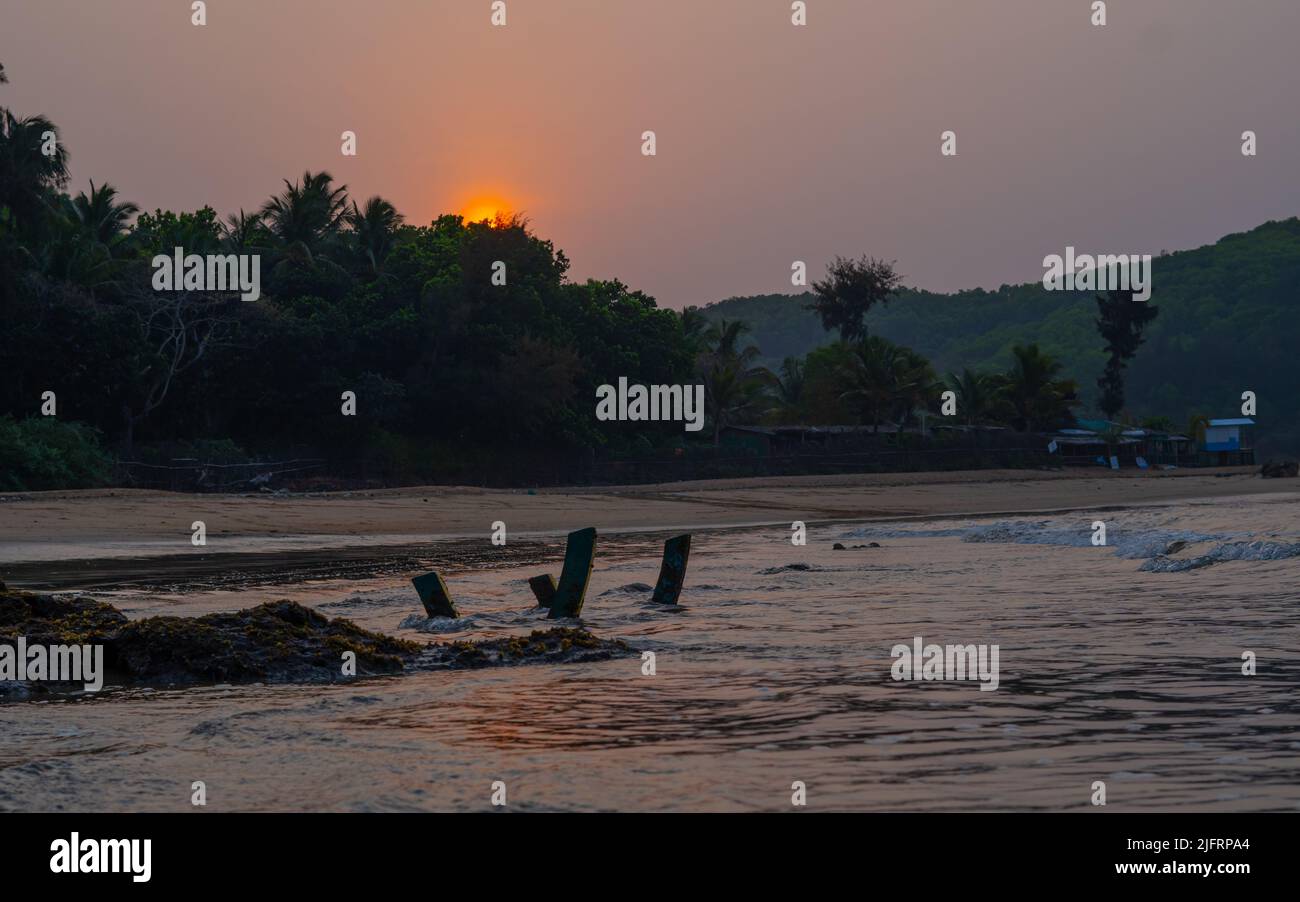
112, 524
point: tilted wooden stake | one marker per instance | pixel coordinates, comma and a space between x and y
544, 588
672, 573
579, 556
434, 596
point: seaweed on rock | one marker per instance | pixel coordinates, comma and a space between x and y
275, 642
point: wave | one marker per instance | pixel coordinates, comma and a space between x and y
789, 568
629, 589
1133, 542
1261, 550
422, 624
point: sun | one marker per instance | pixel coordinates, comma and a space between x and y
485, 208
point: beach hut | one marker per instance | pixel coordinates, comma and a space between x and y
1171, 449
1231, 441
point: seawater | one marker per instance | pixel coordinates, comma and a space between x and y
775, 669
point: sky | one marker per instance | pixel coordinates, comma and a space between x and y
774, 142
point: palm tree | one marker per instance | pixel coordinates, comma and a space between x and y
241, 232
1037, 396
788, 389
28, 175
885, 379
694, 327
979, 395
373, 231
917, 385
67, 252
735, 387
306, 215
85, 244
723, 336
100, 215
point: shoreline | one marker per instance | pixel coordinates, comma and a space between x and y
48, 540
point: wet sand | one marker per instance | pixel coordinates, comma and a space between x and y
122, 537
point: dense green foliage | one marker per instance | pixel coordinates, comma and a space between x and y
1227, 324
452, 370
44, 453
430, 347
443, 362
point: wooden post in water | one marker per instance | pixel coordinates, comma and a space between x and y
434, 595
544, 588
579, 556
672, 573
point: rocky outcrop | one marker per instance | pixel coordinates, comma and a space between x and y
276, 642
280, 641
55, 619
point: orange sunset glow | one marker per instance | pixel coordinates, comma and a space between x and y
486, 208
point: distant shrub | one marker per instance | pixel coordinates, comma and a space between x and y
48, 453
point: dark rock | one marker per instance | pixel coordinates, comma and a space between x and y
1280, 469
276, 642
837, 547
57, 620
280, 641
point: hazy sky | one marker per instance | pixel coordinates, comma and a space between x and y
775, 143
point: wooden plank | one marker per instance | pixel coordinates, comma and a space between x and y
672, 572
579, 557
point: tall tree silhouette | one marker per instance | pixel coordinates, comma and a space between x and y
1121, 321
849, 291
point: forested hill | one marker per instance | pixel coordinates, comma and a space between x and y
1229, 322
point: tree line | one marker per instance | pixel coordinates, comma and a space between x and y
447, 367
870, 380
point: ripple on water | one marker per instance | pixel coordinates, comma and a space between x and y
770, 673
